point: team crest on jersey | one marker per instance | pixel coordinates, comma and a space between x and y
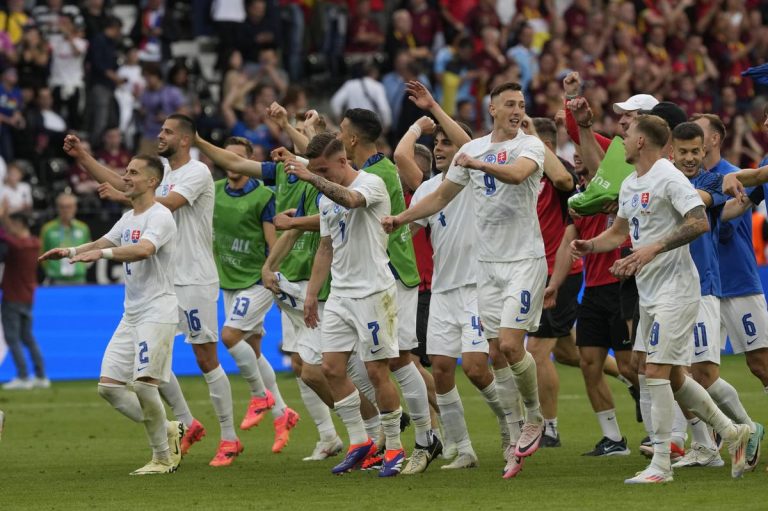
127, 235
336, 209
635, 200
135, 235
645, 198
501, 157
490, 158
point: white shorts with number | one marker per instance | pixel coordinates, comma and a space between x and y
706, 332
745, 321
198, 313
511, 295
365, 325
246, 308
304, 340
407, 305
454, 325
139, 351
664, 333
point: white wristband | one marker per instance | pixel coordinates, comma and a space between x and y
303, 161
106, 253
416, 129
72, 252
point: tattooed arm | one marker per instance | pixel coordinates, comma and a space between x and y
341, 195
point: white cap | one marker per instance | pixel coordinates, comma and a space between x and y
636, 102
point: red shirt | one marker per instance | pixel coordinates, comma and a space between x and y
552, 208
597, 265
20, 276
423, 249
426, 25
118, 161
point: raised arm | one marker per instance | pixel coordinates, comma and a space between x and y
279, 115
227, 160
341, 195
100, 173
421, 97
407, 169
591, 152
320, 270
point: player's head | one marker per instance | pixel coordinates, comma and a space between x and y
547, 131
444, 149
177, 134
645, 133
629, 109
423, 157
714, 131
241, 147
327, 157
507, 107
66, 206
688, 148
359, 127
19, 223
142, 175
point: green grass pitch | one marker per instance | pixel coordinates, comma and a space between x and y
67, 449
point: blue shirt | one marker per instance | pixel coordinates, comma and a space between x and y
738, 266
260, 135
704, 249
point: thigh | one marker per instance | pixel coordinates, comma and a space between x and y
444, 332
524, 294
473, 338
706, 332
11, 320
119, 358
376, 321
308, 340
670, 334
198, 313
490, 297
337, 332
154, 350
407, 306
746, 322
246, 308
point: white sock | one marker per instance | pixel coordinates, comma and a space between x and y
452, 416
414, 392
171, 392
701, 433
679, 427
270, 381
390, 421
221, 397
663, 414
491, 396
373, 429
527, 385
122, 400
609, 425
624, 380
645, 405
509, 398
727, 399
246, 361
154, 418
550, 427
693, 396
348, 410
359, 376
318, 410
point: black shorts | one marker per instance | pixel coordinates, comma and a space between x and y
628, 293
600, 323
422, 320
558, 321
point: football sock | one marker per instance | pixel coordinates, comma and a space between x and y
452, 416
550, 427
509, 399
221, 397
390, 422
645, 405
359, 376
268, 375
692, 396
154, 418
525, 379
414, 392
663, 414
171, 392
609, 425
701, 433
319, 411
248, 363
373, 429
727, 399
679, 427
348, 410
122, 400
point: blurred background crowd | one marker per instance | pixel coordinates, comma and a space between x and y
111, 71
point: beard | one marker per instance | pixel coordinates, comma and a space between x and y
167, 152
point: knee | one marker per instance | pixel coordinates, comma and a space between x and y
230, 337
514, 352
757, 365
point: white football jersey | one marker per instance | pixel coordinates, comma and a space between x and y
453, 239
149, 291
654, 205
194, 239
506, 218
360, 264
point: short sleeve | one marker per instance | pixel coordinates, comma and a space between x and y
712, 183
533, 150
418, 195
623, 200
325, 229
269, 173
372, 189
268, 213
458, 174
116, 232
194, 184
681, 193
161, 229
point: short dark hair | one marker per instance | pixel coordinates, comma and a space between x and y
423, 151
240, 141
112, 22
22, 218
546, 129
153, 69
185, 122
322, 145
687, 131
714, 122
154, 165
366, 123
463, 126
513, 86
655, 129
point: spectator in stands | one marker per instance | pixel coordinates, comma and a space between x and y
11, 105
269, 71
459, 77
158, 101
227, 17
84, 185
525, 56
34, 55
366, 38
483, 15
294, 101
490, 59
103, 79
405, 69
112, 154
47, 16
180, 76
402, 37
67, 77
16, 195
64, 231
234, 76
426, 22
128, 93
363, 90
44, 127
253, 125
18, 285
292, 42
455, 15
335, 18
95, 16
258, 30
154, 31
13, 20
